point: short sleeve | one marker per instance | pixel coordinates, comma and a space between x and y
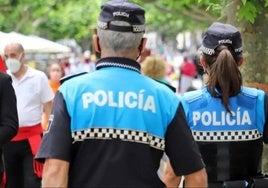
181, 147
57, 140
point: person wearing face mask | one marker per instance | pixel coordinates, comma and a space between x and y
34, 96
55, 73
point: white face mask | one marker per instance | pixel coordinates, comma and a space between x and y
13, 64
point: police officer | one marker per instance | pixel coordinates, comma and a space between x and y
228, 120
110, 128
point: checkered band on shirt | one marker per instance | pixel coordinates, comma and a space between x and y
125, 135
215, 136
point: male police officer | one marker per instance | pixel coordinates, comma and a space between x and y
111, 127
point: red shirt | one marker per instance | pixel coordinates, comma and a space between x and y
188, 69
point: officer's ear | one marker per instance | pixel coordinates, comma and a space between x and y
96, 43
240, 62
142, 44
203, 63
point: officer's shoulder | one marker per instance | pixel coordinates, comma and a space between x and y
193, 95
168, 85
252, 92
68, 77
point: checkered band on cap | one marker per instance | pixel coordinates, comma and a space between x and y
132, 28
138, 28
207, 51
210, 51
122, 134
215, 136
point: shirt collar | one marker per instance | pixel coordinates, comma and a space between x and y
29, 73
121, 62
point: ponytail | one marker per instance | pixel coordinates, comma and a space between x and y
225, 79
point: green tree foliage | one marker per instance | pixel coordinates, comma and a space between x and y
250, 9
191, 14
57, 19
53, 19
169, 17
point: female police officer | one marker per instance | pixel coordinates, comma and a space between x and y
227, 120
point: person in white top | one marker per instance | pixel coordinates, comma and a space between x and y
34, 96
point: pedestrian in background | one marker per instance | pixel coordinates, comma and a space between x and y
34, 96
110, 128
55, 73
155, 67
86, 65
66, 65
187, 74
228, 120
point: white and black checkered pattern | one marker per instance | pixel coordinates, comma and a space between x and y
226, 135
115, 64
123, 134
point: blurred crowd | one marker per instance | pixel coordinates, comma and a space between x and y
182, 70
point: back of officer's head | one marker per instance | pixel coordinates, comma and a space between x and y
121, 26
222, 53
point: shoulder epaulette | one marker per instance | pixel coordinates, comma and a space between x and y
68, 77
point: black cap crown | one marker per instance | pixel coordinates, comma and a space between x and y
221, 34
122, 10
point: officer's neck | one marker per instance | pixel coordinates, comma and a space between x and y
129, 55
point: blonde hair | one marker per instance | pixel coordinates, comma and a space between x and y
154, 67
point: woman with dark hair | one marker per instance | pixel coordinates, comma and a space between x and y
228, 120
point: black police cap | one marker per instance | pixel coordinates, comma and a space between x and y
221, 34
122, 10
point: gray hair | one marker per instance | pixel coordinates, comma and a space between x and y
119, 41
